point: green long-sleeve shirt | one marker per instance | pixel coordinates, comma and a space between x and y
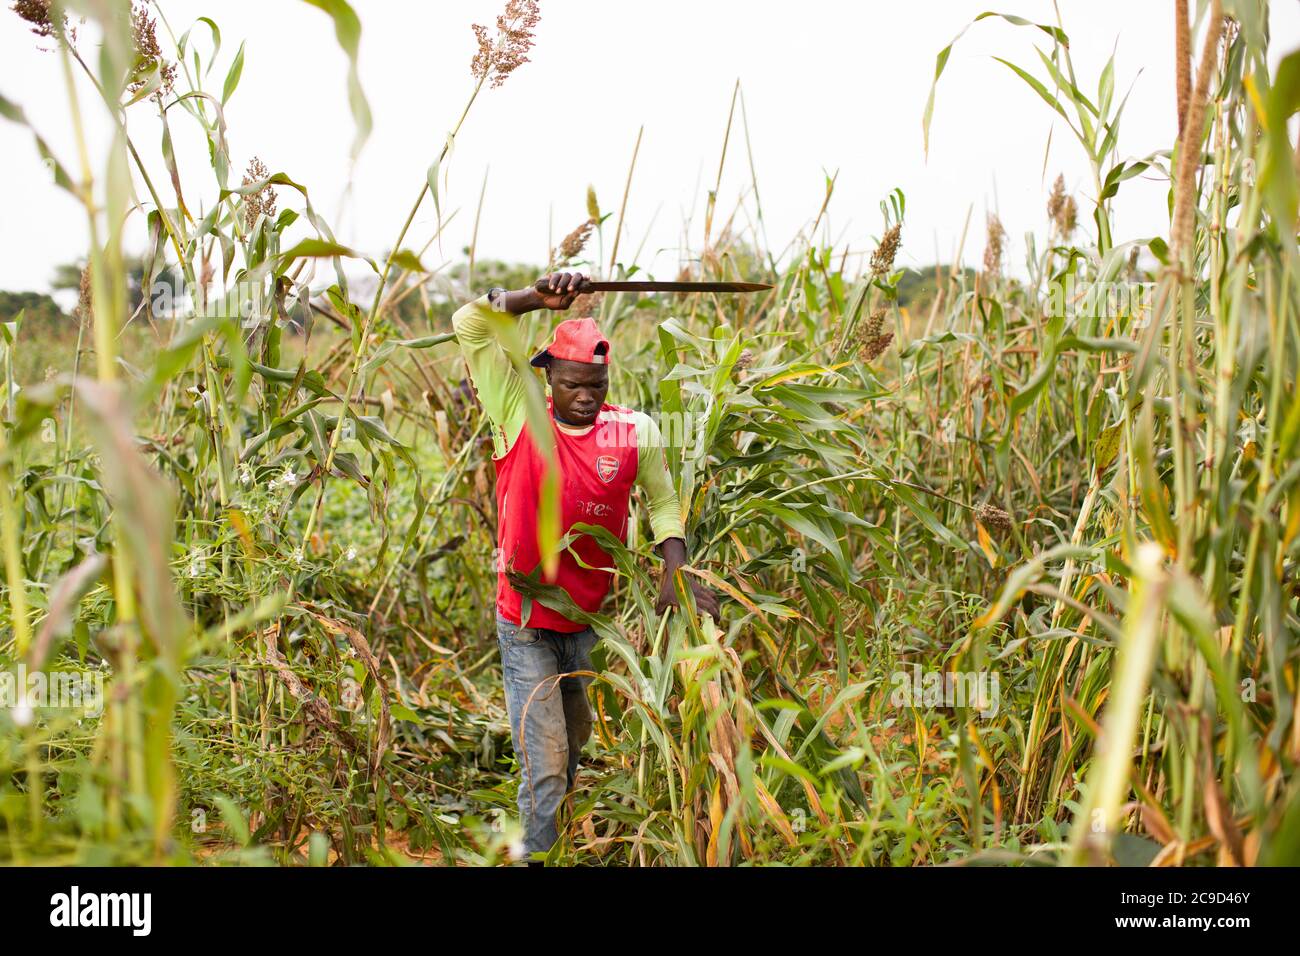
501, 392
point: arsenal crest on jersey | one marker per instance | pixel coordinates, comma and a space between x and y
606, 468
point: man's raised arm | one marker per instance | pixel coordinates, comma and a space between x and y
496, 382
499, 388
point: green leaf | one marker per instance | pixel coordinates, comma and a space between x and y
1107, 446
347, 463
1119, 173
1132, 850
233, 818
428, 341
402, 712
432, 177
1037, 86
1106, 86
14, 113
1277, 176
183, 42
941, 61
319, 249
232, 78
275, 179
408, 260
347, 30
16, 322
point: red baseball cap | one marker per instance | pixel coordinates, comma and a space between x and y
576, 340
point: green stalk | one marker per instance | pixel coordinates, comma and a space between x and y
15, 576
1108, 779
107, 308
360, 349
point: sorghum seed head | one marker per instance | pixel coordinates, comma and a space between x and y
514, 39
993, 518
875, 322
993, 244
37, 13
84, 297
882, 260
1069, 216
261, 202
744, 360
1062, 209
573, 243
587, 304
593, 208
872, 340
148, 53
1057, 199
873, 349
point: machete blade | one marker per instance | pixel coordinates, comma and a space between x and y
651, 286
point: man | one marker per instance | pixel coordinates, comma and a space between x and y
603, 451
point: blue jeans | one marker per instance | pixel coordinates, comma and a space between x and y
548, 723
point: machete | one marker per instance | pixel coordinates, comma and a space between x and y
650, 286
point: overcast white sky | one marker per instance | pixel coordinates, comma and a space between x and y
827, 85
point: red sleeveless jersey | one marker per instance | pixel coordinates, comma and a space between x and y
597, 470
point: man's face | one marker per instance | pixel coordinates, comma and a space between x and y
577, 389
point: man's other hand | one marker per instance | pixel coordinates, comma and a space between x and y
706, 600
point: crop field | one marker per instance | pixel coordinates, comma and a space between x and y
1009, 556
